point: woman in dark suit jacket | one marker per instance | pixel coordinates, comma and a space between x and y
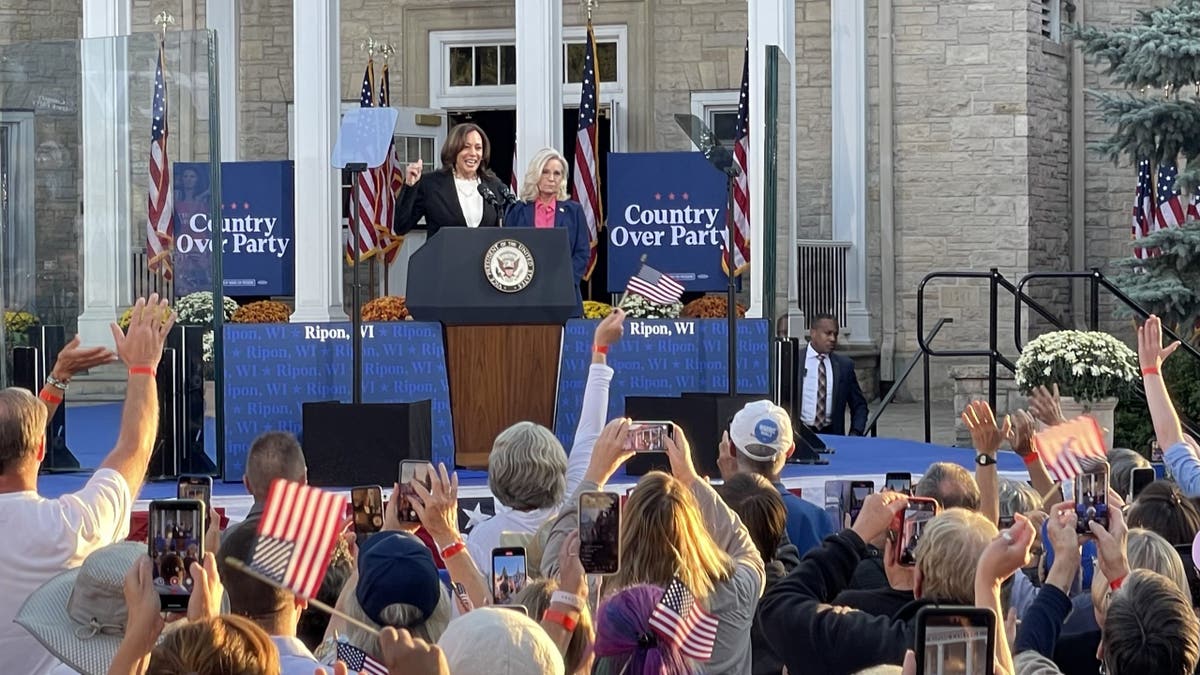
545, 204
449, 197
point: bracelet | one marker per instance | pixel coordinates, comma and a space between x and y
565, 620
1152, 370
568, 599
1116, 583
600, 349
142, 370
58, 384
50, 398
453, 550
1030, 458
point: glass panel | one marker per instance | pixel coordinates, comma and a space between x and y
460, 67
508, 64
606, 55
724, 125
575, 56
487, 67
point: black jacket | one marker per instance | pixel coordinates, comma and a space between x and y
811, 635
846, 393
435, 198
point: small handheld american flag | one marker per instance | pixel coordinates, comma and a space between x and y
655, 286
358, 661
679, 619
1070, 449
296, 537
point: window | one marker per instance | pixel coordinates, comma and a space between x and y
575, 53
718, 111
483, 65
1052, 20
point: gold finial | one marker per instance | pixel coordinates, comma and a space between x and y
386, 49
369, 45
590, 5
163, 20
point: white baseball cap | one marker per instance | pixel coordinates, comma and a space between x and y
761, 431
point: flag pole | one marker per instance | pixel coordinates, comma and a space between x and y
254, 574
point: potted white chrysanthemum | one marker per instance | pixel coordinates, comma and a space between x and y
1092, 370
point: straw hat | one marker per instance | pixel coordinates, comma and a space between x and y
79, 616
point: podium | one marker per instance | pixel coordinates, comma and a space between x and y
503, 296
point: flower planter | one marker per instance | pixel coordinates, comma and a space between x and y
1103, 411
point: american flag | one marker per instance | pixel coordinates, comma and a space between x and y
741, 184
512, 181
358, 661
160, 213
679, 619
1072, 448
1143, 210
586, 182
1171, 211
367, 192
296, 536
390, 174
655, 286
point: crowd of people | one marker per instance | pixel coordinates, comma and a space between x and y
788, 592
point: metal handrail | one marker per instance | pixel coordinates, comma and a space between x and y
873, 420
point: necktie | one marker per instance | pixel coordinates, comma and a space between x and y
822, 385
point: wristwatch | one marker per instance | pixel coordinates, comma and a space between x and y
985, 460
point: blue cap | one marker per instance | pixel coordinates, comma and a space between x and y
396, 568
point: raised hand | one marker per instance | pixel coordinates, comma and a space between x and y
1020, 434
437, 507
727, 461
877, 514
1110, 544
610, 329
1151, 353
679, 451
1044, 404
1007, 553
141, 344
412, 172
207, 591
73, 360
981, 422
402, 653
144, 622
609, 452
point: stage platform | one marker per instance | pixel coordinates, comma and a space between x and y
853, 459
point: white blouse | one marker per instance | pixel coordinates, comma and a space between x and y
469, 199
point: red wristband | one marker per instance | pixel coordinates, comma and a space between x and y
1115, 584
453, 550
50, 398
560, 618
1030, 458
600, 349
142, 370
1150, 371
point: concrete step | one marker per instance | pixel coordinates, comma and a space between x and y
104, 384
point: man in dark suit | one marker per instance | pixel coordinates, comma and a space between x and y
829, 384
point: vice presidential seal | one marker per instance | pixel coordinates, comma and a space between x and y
508, 265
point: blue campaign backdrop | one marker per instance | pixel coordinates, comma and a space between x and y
271, 370
258, 226
669, 207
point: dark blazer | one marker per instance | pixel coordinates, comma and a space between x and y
846, 392
567, 214
435, 198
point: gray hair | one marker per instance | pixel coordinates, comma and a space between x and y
275, 454
529, 185
527, 469
1121, 463
1019, 496
950, 484
22, 427
397, 616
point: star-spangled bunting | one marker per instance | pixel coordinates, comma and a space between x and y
160, 198
586, 181
358, 661
679, 619
296, 536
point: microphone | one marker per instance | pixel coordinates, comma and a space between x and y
489, 196
507, 195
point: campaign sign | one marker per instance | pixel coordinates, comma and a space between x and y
669, 207
258, 225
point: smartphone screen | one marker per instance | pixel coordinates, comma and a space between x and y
599, 532
898, 482
859, 491
195, 487
958, 640
1091, 499
648, 436
508, 574
916, 516
175, 540
1007, 519
411, 470
1139, 478
367, 503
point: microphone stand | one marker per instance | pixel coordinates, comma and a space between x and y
731, 173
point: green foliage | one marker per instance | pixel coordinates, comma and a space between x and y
1167, 285
1133, 426
1161, 51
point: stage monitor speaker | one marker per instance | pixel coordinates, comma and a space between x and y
31, 365
188, 343
164, 456
701, 416
348, 444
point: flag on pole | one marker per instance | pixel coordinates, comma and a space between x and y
367, 190
513, 180
1071, 448
160, 212
741, 184
678, 618
358, 661
655, 286
391, 174
1143, 210
296, 536
1171, 211
586, 183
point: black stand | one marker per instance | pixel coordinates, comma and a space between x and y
356, 289
731, 174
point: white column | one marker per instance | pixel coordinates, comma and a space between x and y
222, 17
318, 239
770, 22
106, 167
848, 24
539, 77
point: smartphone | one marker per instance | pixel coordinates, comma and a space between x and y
859, 491
175, 540
195, 487
910, 525
1139, 478
649, 436
1007, 519
898, 481
366, 502
1091, 499
956, 640
508, 573
410, 470
599, 532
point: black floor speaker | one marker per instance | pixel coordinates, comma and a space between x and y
348, 444
31, 365
703, 417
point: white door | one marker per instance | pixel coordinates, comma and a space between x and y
420, 134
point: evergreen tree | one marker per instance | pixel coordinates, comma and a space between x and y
1157, 118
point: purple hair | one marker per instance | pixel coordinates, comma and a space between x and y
626, 643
